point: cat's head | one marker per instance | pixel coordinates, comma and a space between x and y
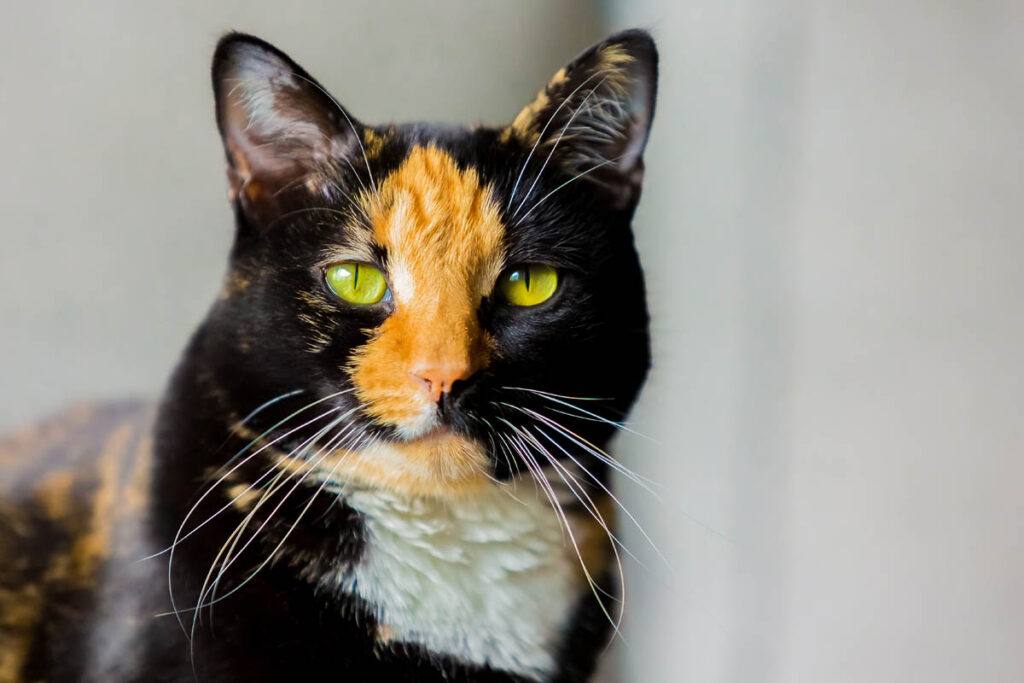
451, 301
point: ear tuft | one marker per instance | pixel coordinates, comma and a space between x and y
281, 130
594, 115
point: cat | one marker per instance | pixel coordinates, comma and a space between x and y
381, 456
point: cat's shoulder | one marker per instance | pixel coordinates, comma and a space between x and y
46, 456
68, 484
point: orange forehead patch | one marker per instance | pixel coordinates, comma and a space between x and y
442, 231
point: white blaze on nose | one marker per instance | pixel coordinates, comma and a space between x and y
402, 284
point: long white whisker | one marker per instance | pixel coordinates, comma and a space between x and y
582, 488
580, 492
589, 447
622, 469
607, 491
599, 418
303, 445
269, 403
233, 539
540, 136
570, 180
341, 110
332, 444
320, 455
550, 393
524, 453
558, 140
342, 432
536, 472
561, 400
195, 506
298, 519
180, 539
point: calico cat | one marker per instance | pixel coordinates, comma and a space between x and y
381, 455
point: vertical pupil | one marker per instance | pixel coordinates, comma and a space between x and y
355, 277
526, 278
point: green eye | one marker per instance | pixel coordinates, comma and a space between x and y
357, 283
528, 285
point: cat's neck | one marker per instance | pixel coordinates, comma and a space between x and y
489, 581
486, 579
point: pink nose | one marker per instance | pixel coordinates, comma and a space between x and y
438, 378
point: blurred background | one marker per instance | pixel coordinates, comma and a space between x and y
832, 226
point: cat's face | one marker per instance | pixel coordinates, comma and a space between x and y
448, 295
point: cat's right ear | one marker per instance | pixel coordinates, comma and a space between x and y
283, 133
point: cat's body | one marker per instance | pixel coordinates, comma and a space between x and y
78, 603
350, 488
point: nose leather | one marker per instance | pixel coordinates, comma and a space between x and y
437, 378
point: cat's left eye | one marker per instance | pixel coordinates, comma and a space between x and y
528, 285
357, 283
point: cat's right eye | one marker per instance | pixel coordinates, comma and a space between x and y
357, 283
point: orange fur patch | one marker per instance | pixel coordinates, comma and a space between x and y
93, 546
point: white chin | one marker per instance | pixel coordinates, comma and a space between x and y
421, 425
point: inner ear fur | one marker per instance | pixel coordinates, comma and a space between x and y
282, 132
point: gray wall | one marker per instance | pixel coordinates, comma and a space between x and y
834, 229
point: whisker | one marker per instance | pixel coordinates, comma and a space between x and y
570, 180
269, 403
332, 444
589, 447
607, 491
232, 541
622, 469
531, 462
283, 421
581, 485
551, 393
540, 136
535, 471
177, 535
351, 125
491, 431
179, 539
310, 465
551, 153
595, 513
292, 528
592, 415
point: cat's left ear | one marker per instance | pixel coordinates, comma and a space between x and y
283, 133
594, 115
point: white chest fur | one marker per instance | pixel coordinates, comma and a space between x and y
485, 580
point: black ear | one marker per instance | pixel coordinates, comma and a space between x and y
593, 116
283, 133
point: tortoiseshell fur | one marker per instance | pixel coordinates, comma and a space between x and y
91, 500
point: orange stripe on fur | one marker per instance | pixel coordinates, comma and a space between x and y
442, 231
